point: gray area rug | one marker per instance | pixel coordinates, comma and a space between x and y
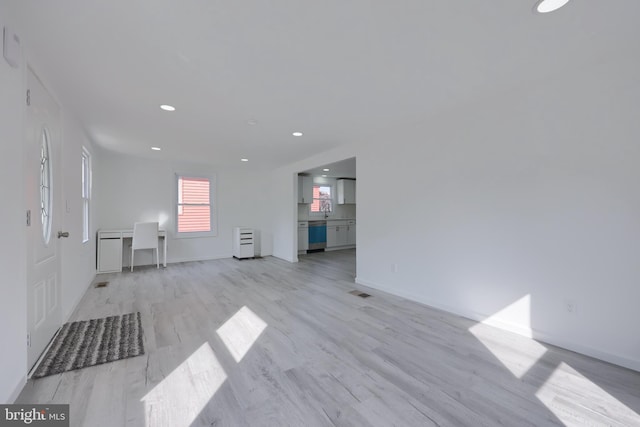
93, 342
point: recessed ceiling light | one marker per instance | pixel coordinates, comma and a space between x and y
297, 134
324, 176
252, 122
325, 170
166, 107
545, 6
244, 160
156, 148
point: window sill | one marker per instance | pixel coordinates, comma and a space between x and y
195, 235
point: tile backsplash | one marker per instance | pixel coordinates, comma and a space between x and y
341, 211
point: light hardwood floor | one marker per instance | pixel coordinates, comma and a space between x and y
268, 343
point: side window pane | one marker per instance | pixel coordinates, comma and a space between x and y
86, 193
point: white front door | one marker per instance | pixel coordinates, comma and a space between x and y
43, 199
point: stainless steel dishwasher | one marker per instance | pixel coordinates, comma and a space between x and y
317, 235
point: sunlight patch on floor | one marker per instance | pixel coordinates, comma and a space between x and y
517, 356
591, 400
241, 331
182, 395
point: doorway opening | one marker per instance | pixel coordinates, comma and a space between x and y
327, 211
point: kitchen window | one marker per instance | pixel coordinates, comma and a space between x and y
195, 213
322, 201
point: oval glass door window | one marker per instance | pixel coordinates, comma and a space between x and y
45, 187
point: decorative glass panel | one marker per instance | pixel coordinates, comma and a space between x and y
45, 187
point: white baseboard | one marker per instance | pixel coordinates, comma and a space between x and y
288, 259
523, 330
17, 389
205, 258
339, 248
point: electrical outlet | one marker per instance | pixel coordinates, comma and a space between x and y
570, 306
394, 267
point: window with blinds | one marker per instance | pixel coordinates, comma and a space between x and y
194, 205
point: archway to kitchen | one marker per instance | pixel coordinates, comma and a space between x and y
327, 215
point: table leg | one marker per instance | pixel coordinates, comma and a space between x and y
164, 264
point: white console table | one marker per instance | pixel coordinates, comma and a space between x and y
109, 247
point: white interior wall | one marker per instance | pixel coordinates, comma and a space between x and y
506, 210
531, 196
137, 189
13, 303
78, 258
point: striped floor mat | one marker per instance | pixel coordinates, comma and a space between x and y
93, 342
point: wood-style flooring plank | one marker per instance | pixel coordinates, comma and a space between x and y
268, 343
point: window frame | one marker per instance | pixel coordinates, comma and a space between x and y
332, 198
85, 194
213, 206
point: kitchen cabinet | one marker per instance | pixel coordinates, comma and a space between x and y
305, 189
303, 236
346, 191
337, 233
351, 232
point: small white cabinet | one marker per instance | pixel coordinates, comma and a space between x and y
305, 189
109, 252
243, 243
346, 191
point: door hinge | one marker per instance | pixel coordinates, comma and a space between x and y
29, 218
28, 97
28, 340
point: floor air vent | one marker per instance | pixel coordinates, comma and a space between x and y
102, 284
359, 294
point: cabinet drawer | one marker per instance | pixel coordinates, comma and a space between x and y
109, 235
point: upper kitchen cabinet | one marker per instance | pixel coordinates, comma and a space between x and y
346, 191
305, 189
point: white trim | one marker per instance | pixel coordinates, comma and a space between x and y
204, 258
339, 248
86, 154
17, 389
508, 326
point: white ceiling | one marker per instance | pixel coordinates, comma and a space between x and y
343, 169
336, 70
